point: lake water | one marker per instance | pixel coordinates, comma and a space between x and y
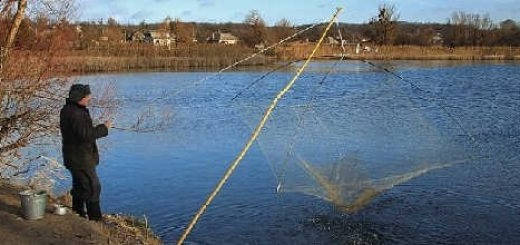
166, 175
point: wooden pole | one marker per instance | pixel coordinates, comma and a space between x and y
253, 136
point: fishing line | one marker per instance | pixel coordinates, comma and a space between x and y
254, 135
432, 98
264, 76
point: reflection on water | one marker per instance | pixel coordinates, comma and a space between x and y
167, 175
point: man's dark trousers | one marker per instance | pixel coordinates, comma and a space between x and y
86, 190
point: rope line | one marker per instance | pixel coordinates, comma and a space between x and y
254, 135
194, 84
248, 58
264, 76
432, 98
307, 107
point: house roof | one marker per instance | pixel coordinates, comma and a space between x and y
227, 36
159, 34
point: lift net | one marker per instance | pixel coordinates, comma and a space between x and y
348, 131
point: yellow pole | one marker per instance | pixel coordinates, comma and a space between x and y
253, 136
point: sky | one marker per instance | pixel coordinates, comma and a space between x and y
296, 11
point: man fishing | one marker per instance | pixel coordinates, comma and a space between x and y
80, 152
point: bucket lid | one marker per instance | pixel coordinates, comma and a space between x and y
40, 193
26, 193
33, 192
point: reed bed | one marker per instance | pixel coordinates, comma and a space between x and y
404, 52
125, 57
111, 64
146, 57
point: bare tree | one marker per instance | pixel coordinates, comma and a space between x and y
13, 30
384, 25
254, 18
113, 31
31, 89
183, 32
282, 29
257, 32
509, 33
470, 29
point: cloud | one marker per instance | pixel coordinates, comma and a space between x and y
186, 13
206, 3
141, 15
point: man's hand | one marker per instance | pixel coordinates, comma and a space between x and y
108, 124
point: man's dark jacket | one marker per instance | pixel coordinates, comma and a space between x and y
79, 137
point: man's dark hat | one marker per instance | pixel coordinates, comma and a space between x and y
78, 92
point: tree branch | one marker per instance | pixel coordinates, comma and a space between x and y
13, 31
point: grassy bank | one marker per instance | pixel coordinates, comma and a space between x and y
66, 229
88, 64
405, 52
145, 57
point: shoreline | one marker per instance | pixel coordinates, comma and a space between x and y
207, 60
69, 228
273, 64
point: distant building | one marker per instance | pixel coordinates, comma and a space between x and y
78, 29
332, 41
363, 45
140, 36
260, 46
223, 38
161, 38
156, 37
437, 39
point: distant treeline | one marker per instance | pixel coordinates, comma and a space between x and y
462, 29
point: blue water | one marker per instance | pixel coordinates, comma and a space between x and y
166, 175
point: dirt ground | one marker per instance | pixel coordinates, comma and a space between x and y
67, 229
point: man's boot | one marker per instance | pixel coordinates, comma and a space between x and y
78, 206
94, 211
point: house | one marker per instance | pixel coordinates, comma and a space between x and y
332, 41
363, 46
141, 36
437, 39
161, 38
156, 37
223, 37
78, 29
260, 46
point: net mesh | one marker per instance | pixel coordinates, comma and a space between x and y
345, 138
